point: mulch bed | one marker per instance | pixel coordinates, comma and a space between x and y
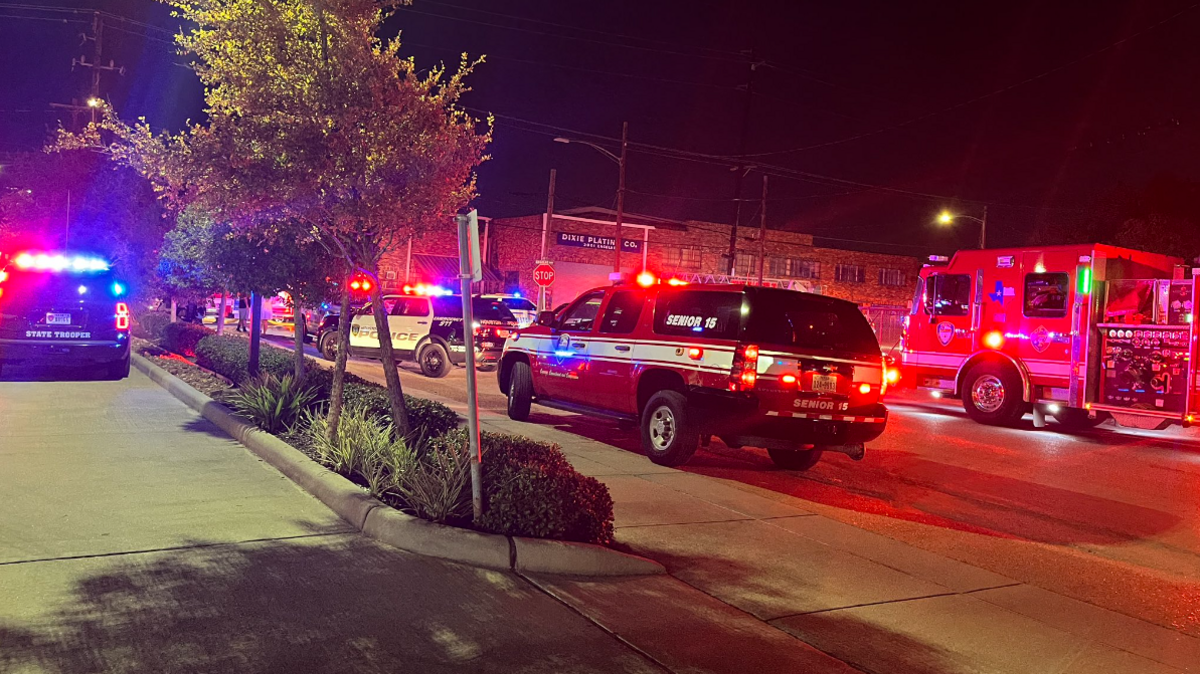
208, 383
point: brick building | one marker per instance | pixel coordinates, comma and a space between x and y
580, 244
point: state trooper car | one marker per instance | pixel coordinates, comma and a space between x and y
427, 327
793, 373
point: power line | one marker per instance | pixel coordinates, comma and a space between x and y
980, 97
612, 73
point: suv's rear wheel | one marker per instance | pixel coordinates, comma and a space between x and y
434, 361
795, 459
669, 434
118, 369
520, 391
327, 345
991, 394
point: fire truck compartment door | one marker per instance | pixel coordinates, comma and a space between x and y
1041, 303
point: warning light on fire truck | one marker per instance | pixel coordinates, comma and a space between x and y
993, 340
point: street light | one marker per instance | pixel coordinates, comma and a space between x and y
948, 218
616, 275
94, 102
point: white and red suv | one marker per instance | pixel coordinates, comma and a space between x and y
794, 373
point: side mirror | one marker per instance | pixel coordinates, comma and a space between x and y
546, 318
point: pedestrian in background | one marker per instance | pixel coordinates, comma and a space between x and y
268, 307
243, 311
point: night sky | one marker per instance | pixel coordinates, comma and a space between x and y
1041, 109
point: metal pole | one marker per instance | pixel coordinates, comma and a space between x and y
741, 169
408, 263
983, 230
464, 269
645, 245
620, 202
547, 220
67, 225
762, 234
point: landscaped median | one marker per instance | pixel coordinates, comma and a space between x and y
532, 487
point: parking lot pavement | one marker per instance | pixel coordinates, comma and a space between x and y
136, 537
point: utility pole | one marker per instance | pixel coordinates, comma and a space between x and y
983, 230
93, 101
762, 233
67, 225
546, 225
741, 169
620, 203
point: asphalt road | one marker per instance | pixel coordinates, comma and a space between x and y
1111, 516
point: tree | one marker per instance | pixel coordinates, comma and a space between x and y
313, 119
202, 255
112, 211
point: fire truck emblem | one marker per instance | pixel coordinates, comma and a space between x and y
945, 332
1039, 339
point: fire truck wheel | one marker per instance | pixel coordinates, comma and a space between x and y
795, 459
434, 361
328, 345
520, 392
1074, 419
991, 394
669, 434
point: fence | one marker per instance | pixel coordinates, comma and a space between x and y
887, 321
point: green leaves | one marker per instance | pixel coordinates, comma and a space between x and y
273, 404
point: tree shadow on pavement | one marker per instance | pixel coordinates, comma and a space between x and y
318, 604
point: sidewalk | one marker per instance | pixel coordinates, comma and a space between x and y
754, 558
135, 536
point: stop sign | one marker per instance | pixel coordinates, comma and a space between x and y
543, 275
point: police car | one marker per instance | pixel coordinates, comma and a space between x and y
794, 373
63, 309
427, 327
524, 310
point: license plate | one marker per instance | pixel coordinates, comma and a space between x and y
823, 383
58, 319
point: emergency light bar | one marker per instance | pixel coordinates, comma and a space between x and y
58, 262
428, 290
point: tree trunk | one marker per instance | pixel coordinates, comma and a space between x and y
221, 313
388, 358
334, 416
255, 332
299, 329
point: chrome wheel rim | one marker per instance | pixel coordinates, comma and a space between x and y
662, 428
988, 393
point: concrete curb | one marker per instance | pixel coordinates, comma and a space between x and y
397, 529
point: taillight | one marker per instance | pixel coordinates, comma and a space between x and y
695, 353
122, 316
745, 369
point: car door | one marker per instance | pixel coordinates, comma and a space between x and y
612, 350
409, 321
565, 363
364, 338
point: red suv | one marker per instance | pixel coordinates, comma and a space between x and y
794, 373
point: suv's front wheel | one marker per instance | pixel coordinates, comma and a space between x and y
327, 345
669, 434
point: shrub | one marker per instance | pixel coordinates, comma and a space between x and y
229, 355
426, 417
364, 449
273, 404
150, 325
438, 485
182, 338
530, 489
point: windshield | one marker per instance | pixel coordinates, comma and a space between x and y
787, 318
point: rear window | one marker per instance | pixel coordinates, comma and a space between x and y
705, 313
518, 303
39, 287
791, 319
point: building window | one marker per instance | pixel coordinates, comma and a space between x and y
686, 258
850, 273
745, 264
778, 267
389, 276
892, 277
797, 268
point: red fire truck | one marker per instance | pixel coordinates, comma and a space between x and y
1079, 333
